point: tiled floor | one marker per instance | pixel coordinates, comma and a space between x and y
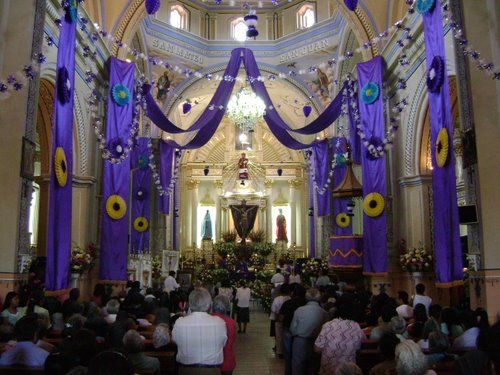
254, 353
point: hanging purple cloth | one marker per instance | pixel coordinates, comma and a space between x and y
60, 198
447, 249
373, 171
346, 251
116, 178
340, 204
141, 197
167, 154
321, 165
312, 227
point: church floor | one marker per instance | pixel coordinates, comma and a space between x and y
254, 349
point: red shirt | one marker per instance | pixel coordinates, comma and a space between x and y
229, 363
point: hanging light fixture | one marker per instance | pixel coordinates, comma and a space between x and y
350, 186
245, 109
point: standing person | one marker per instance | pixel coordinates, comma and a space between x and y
323, 279
420, 297
170, 283
10, 312
278, 326
221, 309
133, 344
243, 294
294, 277
339, 340
404, 310
277, 278
305, 327
200, 337
285, 316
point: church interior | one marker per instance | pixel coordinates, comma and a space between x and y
225, 139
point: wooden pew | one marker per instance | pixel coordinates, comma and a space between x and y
21, 370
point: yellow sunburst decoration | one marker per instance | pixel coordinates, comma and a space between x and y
373, 204
442, 147
343, 220
141, 224
60, 167
116, 207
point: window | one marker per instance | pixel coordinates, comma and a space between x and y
239, 29
306, 16
178, 17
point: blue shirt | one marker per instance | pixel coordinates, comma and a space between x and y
24, 353
307, 320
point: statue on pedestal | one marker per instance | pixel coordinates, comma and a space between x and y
281, 227
243, 167
206, 228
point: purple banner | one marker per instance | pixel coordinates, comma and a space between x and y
340, 204
321, 165
346, 252
447, 249
312, 228
116, 179
167, 154
60, 198
141, 197
373, 171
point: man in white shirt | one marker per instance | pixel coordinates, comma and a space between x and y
277, 278
243, 294
200, 337
275, 310
404, 310
170, 282
420, 297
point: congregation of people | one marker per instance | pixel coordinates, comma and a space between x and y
330, 327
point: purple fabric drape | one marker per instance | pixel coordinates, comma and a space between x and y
244, 219
447, 249
60, 198
166, 163
346, 252
322, 160
340, 204
141, 195
312, 224
372, 119
116, 177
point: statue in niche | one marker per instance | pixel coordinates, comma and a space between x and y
163, 85
322, 82
206, 229
243, 167
281, 227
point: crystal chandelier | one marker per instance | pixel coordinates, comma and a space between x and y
245, 108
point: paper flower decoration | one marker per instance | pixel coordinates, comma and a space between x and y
186, 107
370, 93
251, 21
141, 224
72, 11
116, 207
340, 159
307, 110
442, 147
435, 75
152, 6
121, 94
63, 85
424, 6
142, 162
60, 167
141, 194
116, 147
373, 204
342, 220
351, 4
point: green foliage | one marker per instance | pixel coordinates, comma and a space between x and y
229, 236
257, 236
223, 249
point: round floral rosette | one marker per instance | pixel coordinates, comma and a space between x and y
370, 93
435, 75
71, 10
120, 94
141, 193
342, 220
116, 147
116, 207
442, 148
143, 161
60, 167
425, 6
141, 224
373, 204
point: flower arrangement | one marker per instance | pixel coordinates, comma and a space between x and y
223, 249
257, 260
156, 267
229, 236
312, 267
416, 259
264, 249
261, 291
286, 257
82, 259
257, 236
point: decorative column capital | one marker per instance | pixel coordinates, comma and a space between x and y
295, 183
193, 184
268, 184
218, 184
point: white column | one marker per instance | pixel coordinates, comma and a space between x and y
194, 211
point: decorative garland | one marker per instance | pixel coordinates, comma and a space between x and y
16, 81
156, 174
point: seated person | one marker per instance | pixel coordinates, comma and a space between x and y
404, 310
438, 346
161, 337
387, 346
388, 312
26, 352
450, 322
133, 344
398, 327
467, 340
112, 308
410, 360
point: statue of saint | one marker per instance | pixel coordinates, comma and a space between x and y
281, 227
323, 82
163, 85
206, 228
243, 167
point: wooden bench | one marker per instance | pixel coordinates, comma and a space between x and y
21, 370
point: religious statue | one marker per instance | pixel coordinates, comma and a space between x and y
281, 227
163, 86
206, 228
244, 218
323, 83
243, 167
